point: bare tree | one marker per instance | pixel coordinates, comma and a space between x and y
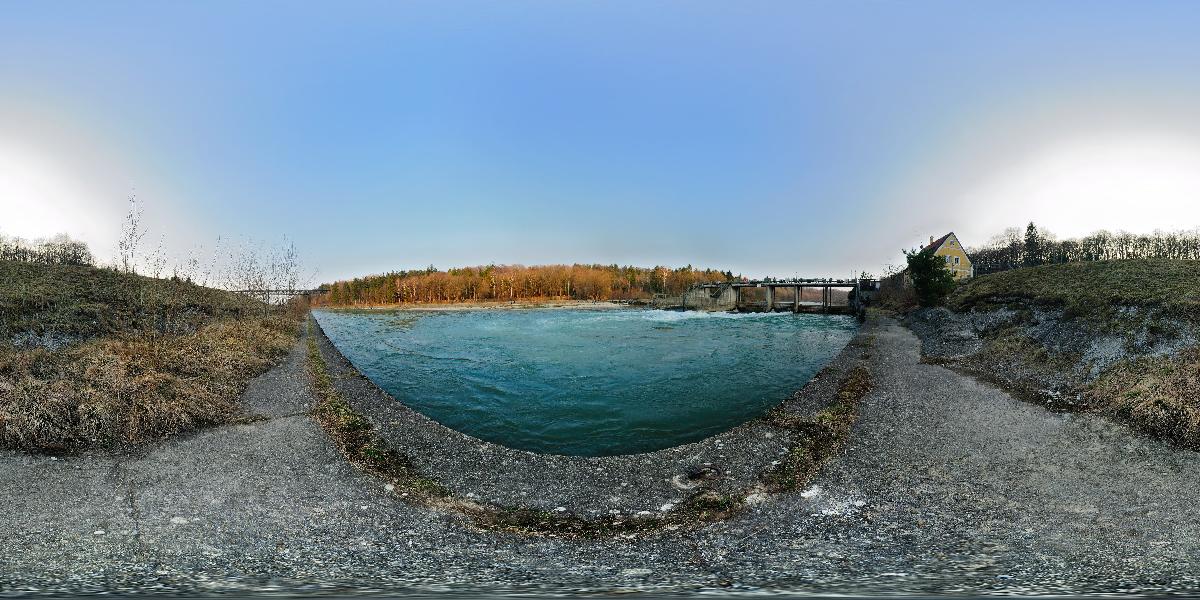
157, 262
132, 233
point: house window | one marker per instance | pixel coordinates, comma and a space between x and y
956, 260
947, 260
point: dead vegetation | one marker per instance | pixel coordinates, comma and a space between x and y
93, 357
823, 433
1158, 395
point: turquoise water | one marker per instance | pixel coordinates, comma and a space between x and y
588, 382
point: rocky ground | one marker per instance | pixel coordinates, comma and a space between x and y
946, 485
1045, 354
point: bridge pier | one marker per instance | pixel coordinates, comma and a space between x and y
770, 298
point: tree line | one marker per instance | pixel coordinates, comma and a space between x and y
1014, 248
516, 282
57, 250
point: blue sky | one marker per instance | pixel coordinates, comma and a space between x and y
784, 138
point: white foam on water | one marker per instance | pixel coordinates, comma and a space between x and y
675, 316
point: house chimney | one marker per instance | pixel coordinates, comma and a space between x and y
931, 240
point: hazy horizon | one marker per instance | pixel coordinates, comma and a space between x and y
763, 138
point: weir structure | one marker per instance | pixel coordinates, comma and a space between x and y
736, 295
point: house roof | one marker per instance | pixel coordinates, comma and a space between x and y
937, 243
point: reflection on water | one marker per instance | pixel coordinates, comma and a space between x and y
588, 382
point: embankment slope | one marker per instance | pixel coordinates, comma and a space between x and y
1118, 338
94, 357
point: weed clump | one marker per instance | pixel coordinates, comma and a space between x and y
355, 436
824, 433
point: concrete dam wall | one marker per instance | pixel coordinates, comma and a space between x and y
723, 298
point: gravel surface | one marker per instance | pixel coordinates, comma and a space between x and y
947, 485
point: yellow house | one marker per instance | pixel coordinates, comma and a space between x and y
957, 260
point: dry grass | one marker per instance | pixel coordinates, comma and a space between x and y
132, 389
1160, 396
81, 302
143, 358
1092, 289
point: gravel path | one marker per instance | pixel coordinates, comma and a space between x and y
946, 485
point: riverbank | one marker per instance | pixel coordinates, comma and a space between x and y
594, 493
945, 485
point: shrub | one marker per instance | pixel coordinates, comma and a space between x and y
932, 281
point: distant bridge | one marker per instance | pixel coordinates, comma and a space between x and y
733, 296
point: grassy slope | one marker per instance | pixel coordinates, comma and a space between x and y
1092, 288
85, 302
146, 358
1159, 395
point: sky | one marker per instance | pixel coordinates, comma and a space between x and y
769, 138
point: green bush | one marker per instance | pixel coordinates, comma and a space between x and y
931, 279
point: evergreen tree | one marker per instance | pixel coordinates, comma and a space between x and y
931, 278
1033, 246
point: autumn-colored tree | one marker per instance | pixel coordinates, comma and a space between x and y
517, 282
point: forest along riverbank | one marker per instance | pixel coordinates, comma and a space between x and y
520, 305
946, 485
